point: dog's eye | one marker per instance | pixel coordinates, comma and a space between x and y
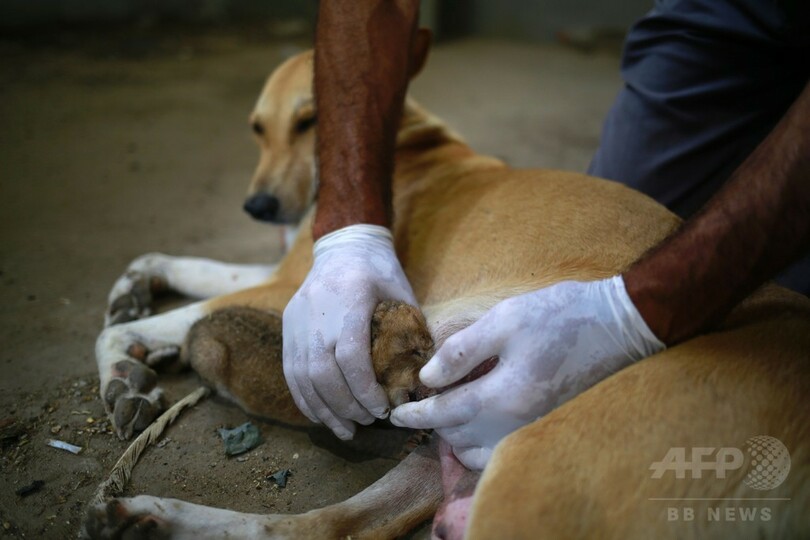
305, 124
257, 128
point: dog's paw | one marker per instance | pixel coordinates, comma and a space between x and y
127, 356
129, 387
114, 520
133, 293
132, 397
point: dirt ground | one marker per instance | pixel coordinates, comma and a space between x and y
120, 144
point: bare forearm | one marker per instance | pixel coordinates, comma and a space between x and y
756, 225
361, 75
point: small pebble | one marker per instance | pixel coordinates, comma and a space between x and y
279, 478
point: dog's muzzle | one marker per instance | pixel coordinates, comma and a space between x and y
262, 206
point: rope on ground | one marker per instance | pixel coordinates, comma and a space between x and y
121, 472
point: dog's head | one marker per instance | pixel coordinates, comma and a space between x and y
283, 121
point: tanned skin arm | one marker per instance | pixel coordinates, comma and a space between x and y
362, 52
752, 228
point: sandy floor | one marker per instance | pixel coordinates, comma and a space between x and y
118, 146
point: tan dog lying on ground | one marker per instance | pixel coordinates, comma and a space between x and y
470, 232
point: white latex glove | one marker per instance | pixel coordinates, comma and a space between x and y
327, 327
553, 343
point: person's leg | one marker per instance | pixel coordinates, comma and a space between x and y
705, 81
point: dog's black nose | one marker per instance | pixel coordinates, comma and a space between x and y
262, 206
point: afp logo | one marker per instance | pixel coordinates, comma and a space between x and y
769, 462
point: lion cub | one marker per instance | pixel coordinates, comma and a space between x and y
238, 351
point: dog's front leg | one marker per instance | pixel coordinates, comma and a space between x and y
193, 277
126, 353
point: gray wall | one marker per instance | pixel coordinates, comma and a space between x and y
535, 20
540, 19
21, 13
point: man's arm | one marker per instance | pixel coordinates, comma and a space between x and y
751, 229
362, 54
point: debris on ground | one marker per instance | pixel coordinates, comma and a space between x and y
121, 472
279, 478
62, 445
240, 439
10, 431
163, 442
30, 489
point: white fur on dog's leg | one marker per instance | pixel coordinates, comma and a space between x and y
128, 387
178, 520
131, 296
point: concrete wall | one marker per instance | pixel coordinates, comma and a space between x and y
533, 20
21, 13
539, 20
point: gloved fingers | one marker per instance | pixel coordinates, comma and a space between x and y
328, 382
353, 357
292, 357
473, 457
463, 351
461, 436
308, 364
342, 428
296, 362
297, 395
452, 408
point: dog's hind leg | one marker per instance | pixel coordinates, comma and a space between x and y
132, 294
393, 505
126, 353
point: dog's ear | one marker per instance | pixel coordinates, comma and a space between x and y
419, 51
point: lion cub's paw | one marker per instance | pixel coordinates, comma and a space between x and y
400, 346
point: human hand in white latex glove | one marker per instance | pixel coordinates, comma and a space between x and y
327, 327
553, 343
